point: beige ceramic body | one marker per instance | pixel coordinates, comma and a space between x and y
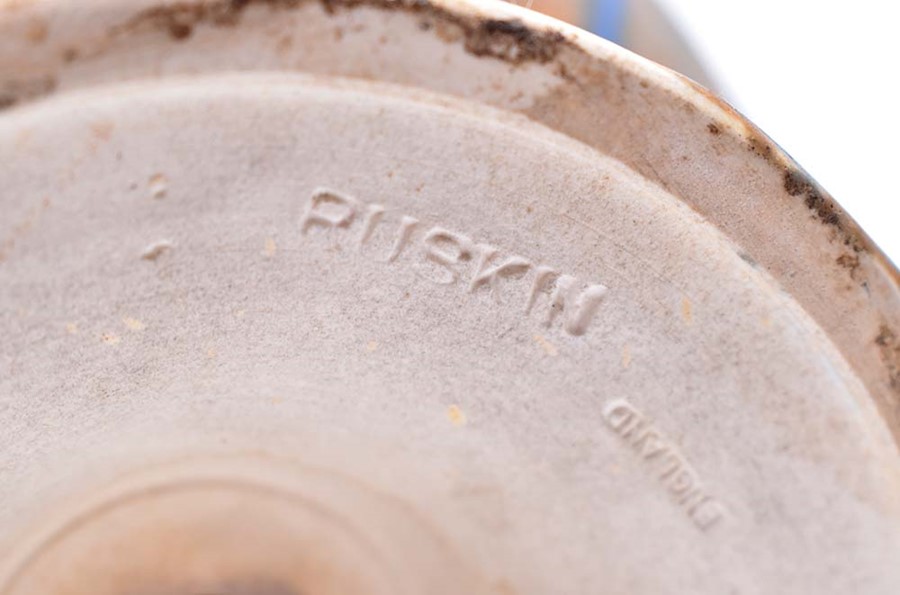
414, 297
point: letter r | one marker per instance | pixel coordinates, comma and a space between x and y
328, 208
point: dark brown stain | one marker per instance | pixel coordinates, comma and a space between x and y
256, 586
180, 18
889, 349
849, 261
797, 183
713, 128
512, 41
70, 55
761, 147
17, 91
508, 40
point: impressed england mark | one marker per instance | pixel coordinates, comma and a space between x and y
663, 457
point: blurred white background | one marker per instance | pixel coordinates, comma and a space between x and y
823, 80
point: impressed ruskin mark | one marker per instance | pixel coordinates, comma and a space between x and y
511, 41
